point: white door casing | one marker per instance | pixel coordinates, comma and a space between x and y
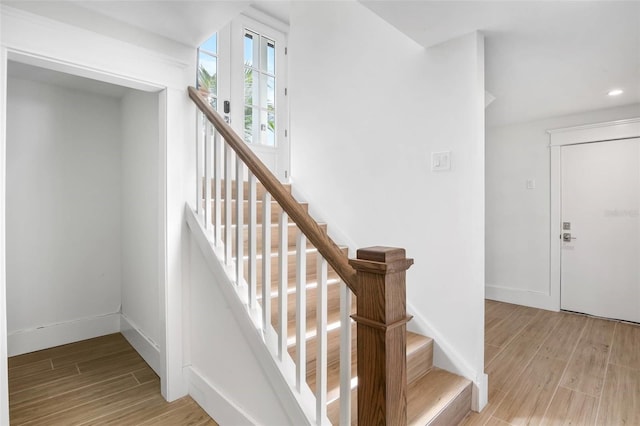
600, 268
598, 132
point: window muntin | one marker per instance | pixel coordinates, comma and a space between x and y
259, 89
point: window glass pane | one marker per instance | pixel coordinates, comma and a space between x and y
259, 89
271, 129
270, 85
251, 86
271, 57
207, 73
248, 50
248, 124
211, 45
267, 91
267, 47
256, 125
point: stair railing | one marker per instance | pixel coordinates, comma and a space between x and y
376, 277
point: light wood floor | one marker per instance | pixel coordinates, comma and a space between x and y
101, 381
556, 368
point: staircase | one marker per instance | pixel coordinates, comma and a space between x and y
302, 297
434, 396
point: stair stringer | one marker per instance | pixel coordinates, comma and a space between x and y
300, 407
446, 358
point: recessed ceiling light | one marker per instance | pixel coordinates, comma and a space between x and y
615, 92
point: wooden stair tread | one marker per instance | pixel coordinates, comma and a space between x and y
419, 356
438, 398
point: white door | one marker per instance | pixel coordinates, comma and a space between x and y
600, 257
248, 60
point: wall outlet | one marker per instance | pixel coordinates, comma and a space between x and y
440, 161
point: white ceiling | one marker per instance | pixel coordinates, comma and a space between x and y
190, 22
543, 58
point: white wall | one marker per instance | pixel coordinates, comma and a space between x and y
368, 106
140, 216
226, 377
517, 218
84, 51
63, 213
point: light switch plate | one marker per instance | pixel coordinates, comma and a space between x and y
440, 161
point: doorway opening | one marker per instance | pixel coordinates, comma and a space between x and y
84, 203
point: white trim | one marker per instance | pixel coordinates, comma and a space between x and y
4, 376
52, 64
447, 358
598, 132
534, 299
210, 398
62, 333
147, 348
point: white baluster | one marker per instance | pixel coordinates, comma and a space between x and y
345, 355
301, 310
217, 171
228, 160
321, 327
253, 241
239, 220
283, 254
199, 161
266, 262
208, 165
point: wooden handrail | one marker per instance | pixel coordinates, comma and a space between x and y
309, 227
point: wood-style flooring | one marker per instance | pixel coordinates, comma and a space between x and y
101, 381
558, 368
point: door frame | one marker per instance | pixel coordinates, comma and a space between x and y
598, 132
10, 54
280, 33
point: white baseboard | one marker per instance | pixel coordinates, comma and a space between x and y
533, 299
50, 335
222, 410
147, 348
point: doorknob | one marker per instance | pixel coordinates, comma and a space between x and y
566, 237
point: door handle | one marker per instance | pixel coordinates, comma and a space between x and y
566, 237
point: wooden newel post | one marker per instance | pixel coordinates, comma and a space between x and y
382, 335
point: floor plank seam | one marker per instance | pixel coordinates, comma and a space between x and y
70, 390
123, 408
504, 395
73, 407
624, 366
528, 363
566, 367
135, 378
606, 370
